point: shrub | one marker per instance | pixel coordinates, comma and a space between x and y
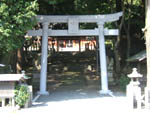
123, 82
21, 95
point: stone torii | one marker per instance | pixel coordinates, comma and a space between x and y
73, 30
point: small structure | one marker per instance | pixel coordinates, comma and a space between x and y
137, 57
133, 89
7, 86
139, 61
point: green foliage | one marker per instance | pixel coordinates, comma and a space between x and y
76, 7
16, 18
93, 6
53, 2
21, 95
123, 82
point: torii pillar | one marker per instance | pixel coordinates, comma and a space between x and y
43, 74
103, 62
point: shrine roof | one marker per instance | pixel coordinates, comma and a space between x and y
137, 57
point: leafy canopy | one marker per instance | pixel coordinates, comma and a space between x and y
16, 17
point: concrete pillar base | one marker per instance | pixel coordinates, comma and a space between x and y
105, 92
43, 93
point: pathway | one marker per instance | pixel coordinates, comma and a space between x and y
80, 100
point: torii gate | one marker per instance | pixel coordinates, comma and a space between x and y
73, 30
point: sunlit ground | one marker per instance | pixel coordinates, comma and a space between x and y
80, 101
93, 105
89, 105
67, 102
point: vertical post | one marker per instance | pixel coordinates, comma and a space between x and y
13, 102
147, 35
43, 74
97, 57
79, 45
3, 102
103, 63
29, 101
57, 45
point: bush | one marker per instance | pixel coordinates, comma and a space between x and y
21, 95
123, 82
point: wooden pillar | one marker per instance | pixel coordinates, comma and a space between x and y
57, 45
80, 44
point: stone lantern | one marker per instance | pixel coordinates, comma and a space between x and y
133, 90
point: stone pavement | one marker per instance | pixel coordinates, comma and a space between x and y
80, 101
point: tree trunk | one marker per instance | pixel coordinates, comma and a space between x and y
19, 61
13, 62
117, 58
117, 42
128, 39
118, 5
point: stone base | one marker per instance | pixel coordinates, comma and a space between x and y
43, 93
133, 93
106, 92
